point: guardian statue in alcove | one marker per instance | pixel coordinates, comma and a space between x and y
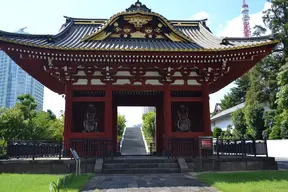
90, 124
183, 121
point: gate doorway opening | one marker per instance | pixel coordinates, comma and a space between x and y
139, 132
133, 104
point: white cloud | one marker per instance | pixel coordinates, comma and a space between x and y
234, 27
200, 15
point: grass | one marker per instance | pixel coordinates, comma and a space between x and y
119, 138
77, 183
39, 182
26, 182
259, 181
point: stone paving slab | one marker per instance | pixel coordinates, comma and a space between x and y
146, 183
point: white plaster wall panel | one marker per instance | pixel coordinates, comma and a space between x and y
97, 73
152, 73
177, 74
96, 82
122, 82
81, 82
123, 73
193, 74
192, 82
222, 123
178, 82
153, 82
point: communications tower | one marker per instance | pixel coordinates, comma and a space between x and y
246, 19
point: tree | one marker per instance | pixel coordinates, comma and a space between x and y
254, 120
237, 94
39, 127
269, 122
51, 114
149, 124
28, 105
121, 124
217, 132
12, 124
238, 119
57, 128
276, 19
275, 133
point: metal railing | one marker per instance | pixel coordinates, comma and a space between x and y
189, 147
87, 148
240, 147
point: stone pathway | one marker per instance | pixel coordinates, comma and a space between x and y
146, 183
133, 143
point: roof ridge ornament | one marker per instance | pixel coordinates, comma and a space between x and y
138, 6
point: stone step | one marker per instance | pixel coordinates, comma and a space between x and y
140, 161
140, 165
141, 170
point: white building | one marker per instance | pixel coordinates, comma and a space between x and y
223, 118
147, 110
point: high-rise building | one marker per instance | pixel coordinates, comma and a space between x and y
14, 81
147, 109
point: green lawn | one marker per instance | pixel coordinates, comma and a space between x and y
77, 183
38, 183
260, 181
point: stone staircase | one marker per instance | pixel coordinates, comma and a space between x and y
140, 165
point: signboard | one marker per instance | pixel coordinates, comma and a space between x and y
206, 143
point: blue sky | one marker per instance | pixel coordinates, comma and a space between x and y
46, 17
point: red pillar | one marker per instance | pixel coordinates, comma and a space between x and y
159, 128
115, 126
108, 111
167, 116
206, 109
68, 113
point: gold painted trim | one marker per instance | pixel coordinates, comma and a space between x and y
162, 19
180, 24
142, 50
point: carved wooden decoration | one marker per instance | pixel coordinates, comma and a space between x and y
88, 117
186, 117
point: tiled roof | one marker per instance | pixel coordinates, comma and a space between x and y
74, 36
227, 111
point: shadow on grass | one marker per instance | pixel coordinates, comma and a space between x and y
76, 183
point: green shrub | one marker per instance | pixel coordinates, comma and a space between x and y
266, 133
217, 132
148, 126
275, 133
284, 129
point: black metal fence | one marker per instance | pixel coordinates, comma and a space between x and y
93, 148
240, 147
190, 147
88, 148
